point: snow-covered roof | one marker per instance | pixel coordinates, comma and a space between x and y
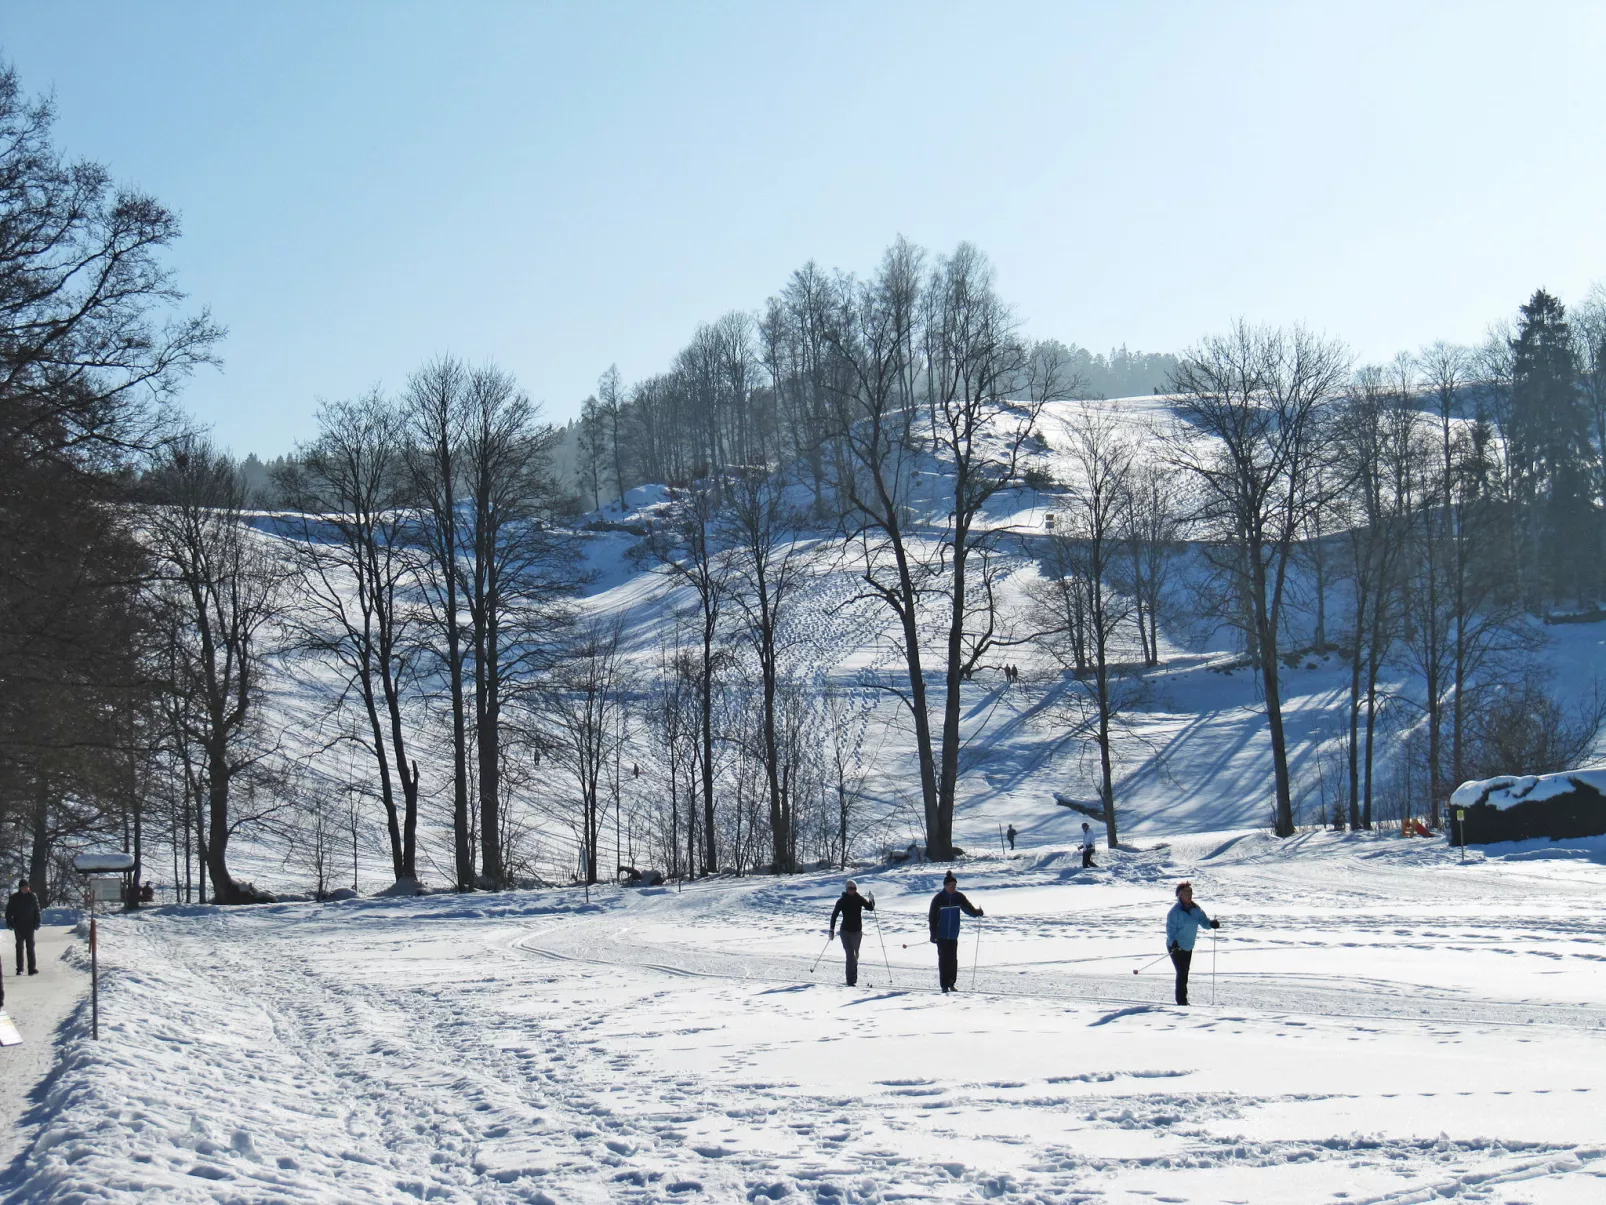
1508, 790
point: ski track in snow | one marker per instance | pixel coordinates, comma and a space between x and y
1389, 1026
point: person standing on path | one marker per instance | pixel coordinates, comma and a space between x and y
850, 907
1182, 925
944, 919
1087, 846
1011, 835
22, 918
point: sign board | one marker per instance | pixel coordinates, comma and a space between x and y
102, 863
106, 891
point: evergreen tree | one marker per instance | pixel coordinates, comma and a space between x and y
1551, 453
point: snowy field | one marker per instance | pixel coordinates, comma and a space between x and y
1385, 1025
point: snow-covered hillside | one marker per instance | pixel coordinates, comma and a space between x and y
1194, 753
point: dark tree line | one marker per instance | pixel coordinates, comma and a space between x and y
93, 348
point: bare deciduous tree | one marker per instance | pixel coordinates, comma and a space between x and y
434, 406
581, 708
1253, 404
770, 564
1151, 527
1081, 610
936, 554
687, 545
350, 493
222, 592
512, 580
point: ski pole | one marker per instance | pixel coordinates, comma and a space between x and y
821, 954
883, 942
1147, 965
977, 959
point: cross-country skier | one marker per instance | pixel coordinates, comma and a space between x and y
22, 918
850, 907
1182, 926
1011, 835
944, 919
1087, 846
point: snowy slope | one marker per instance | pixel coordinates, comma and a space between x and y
1194, 757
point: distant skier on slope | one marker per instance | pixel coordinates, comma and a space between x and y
1182, 925
1087, 846
850, 907
1011, 835
944, 920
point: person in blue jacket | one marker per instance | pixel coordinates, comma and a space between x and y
944, 918
1182, 926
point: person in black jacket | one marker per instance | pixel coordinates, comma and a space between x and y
944, 920
850, 907
22, 918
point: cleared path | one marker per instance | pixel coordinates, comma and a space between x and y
38, 1004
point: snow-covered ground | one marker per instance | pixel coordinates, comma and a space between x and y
1386, 1024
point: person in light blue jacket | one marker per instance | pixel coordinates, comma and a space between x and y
1182, 925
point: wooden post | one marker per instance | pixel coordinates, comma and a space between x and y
94, 982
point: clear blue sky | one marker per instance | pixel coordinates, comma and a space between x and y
559, 187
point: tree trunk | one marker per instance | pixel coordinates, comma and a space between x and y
40, 848
1458, 704
386, 792
908, 616
1266, 642
224, 888
488, 712
1107, 780
940, 846
1354, 750
780, 835
1371, 721
200, 846
710, 849
463, 851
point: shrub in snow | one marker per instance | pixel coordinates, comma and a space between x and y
1513, 808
